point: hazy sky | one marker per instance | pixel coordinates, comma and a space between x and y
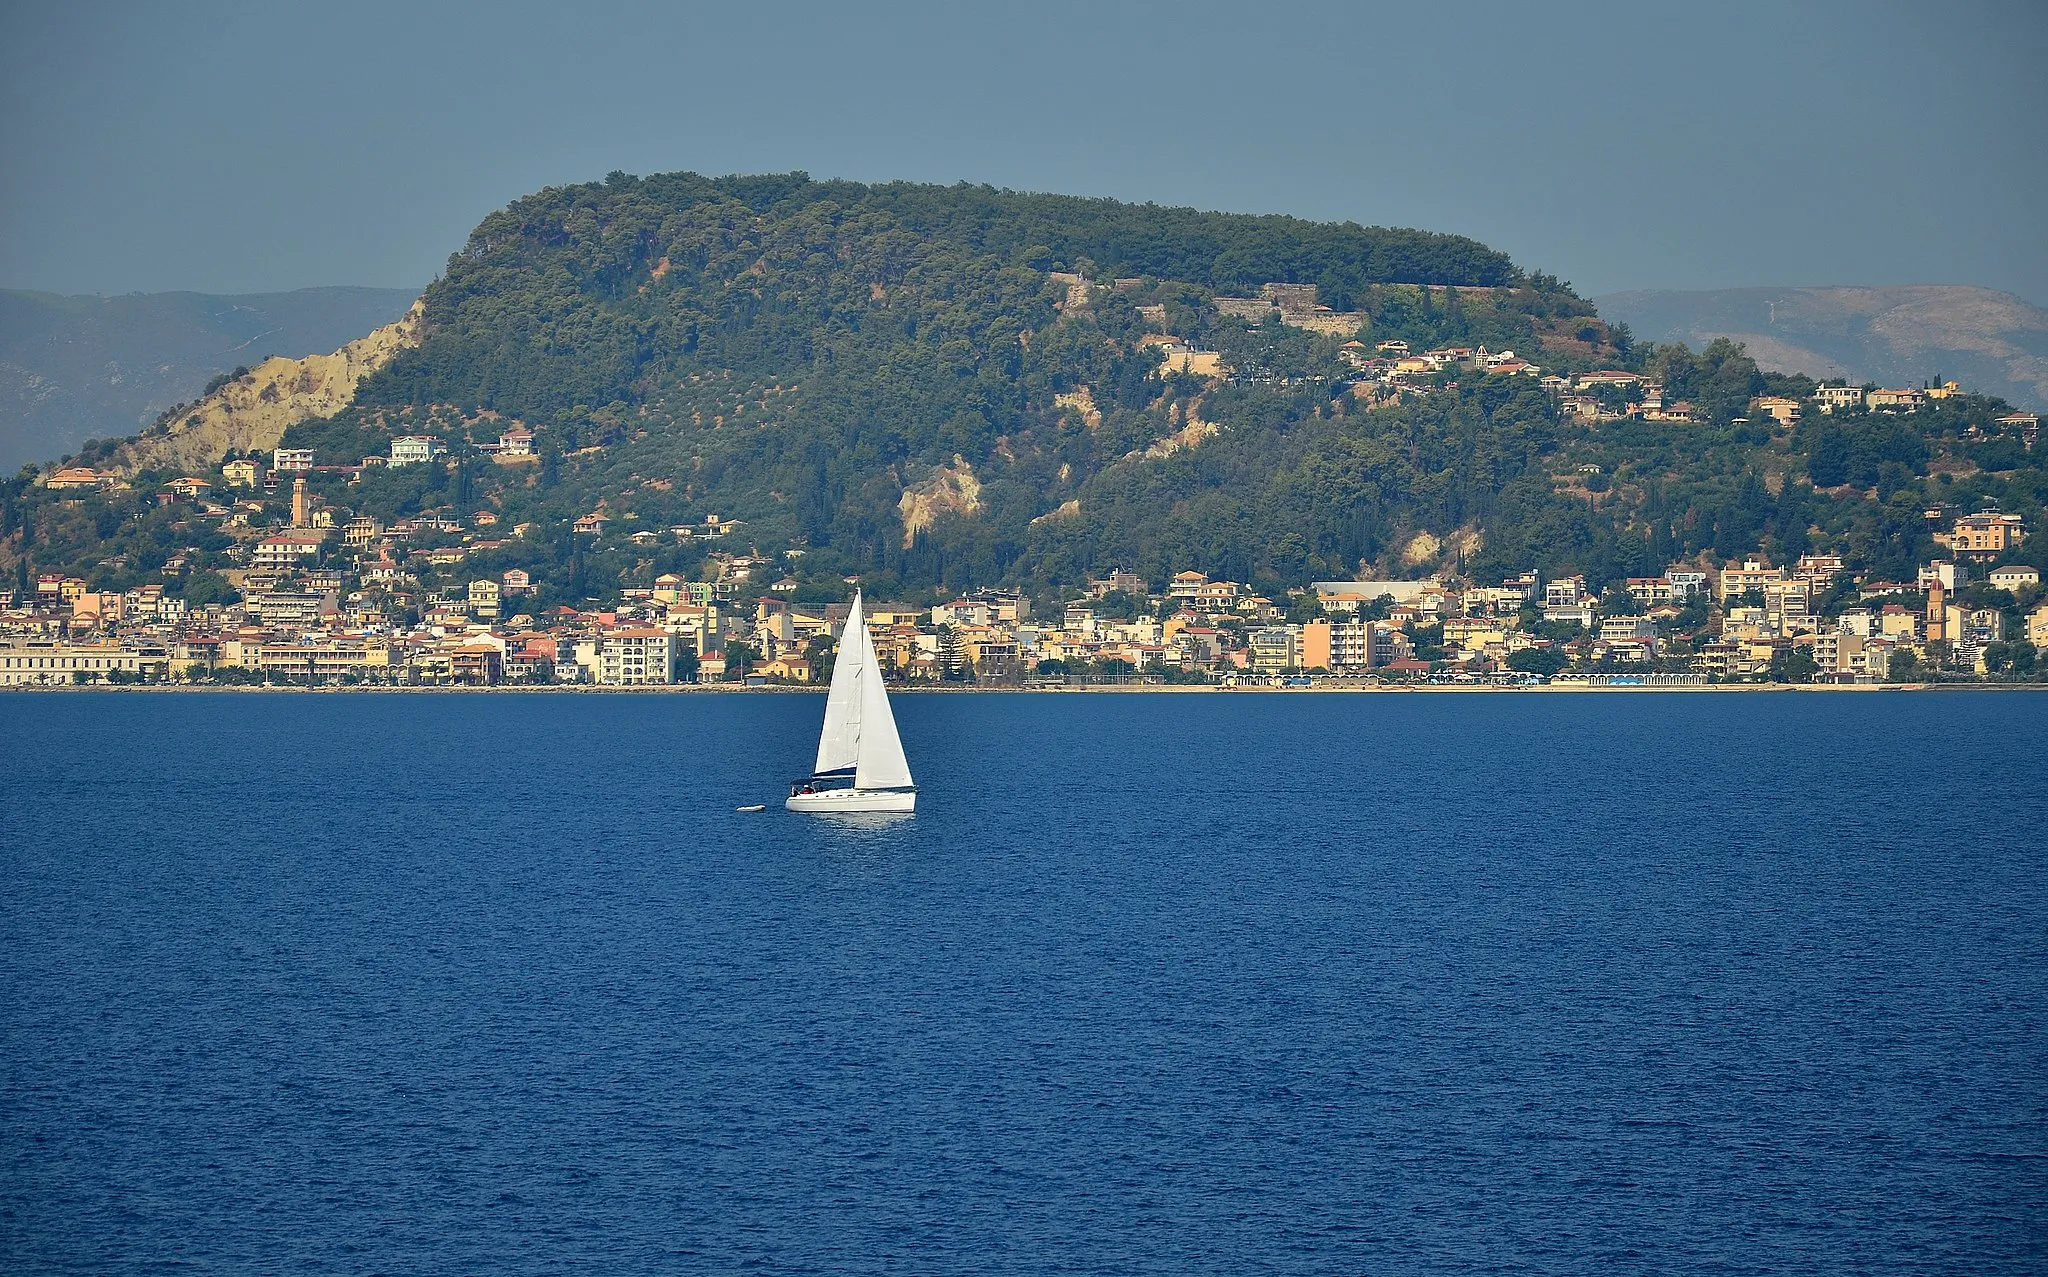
235, 148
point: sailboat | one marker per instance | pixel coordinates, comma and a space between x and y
860, 764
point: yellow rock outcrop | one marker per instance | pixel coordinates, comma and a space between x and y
1188, 436
1065, 510
1082, 401
252, 413
1421, 548
947, 490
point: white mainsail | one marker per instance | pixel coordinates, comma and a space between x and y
860, 730
839, 742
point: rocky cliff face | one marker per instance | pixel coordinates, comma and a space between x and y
78, 368
950, 489
252, 413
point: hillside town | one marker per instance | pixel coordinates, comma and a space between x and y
285, 582
298, 620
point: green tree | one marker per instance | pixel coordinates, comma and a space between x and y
739, 658
1617, 601
1793, 665
205, 589
1546, 661
953, 663
820, 654
1305, 607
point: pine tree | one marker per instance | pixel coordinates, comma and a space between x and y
952, 655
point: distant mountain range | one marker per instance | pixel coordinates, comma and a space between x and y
1989, 341
76, 368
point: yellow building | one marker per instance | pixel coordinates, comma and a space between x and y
1833, 397
791, 669
884, 618
1784, 411
320, 660
1752, 575
896, 646
1898, 623
1476, 634
992, 651
1985, 534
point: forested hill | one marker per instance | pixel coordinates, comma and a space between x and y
949, 386
589, 294
828, 361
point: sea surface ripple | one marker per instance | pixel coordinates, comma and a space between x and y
1150, 984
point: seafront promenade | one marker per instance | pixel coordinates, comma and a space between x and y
1333, 688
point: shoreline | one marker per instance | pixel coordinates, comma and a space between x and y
917, 690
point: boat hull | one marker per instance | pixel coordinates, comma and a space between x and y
829, 802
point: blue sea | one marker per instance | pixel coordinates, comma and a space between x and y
1223, 983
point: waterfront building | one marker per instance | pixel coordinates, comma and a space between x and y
635, 656
31, 662
1275, 648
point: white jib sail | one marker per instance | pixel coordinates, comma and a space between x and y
839, 742
881, 764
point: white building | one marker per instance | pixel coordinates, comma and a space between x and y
1686, 584
1950, 576
1615, 628
1833, 397
32, 662
636, 658
1564, 592
409, 450
285, 551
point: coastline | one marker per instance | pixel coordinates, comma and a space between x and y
785, 689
